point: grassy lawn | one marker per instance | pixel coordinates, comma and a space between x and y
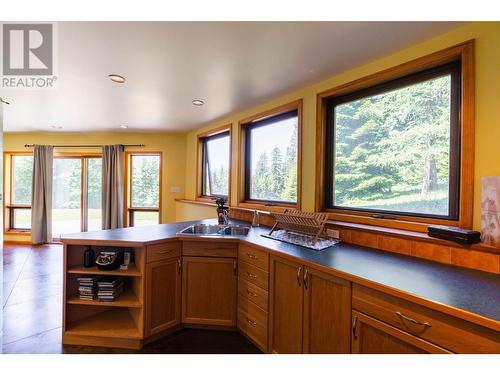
67, 220
435, 202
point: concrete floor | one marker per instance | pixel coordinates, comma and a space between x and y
32, 312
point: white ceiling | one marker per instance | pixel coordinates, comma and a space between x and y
230, 66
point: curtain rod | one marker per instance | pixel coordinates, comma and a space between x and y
84, 146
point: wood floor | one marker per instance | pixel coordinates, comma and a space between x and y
32, 289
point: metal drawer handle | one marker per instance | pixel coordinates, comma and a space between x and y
249, 321
165, 251
179, 262
251, 275
425, 324
251, 256
251, 293
298, 275
306, 273
354, 323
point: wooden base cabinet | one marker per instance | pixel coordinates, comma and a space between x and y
371, 336
309, 310
286, 306
163, 295
209, 291
327, 313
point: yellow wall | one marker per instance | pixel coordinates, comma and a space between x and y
171, 144
487, 148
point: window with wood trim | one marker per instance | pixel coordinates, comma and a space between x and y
394, 148
76, 193
144, 188
398, 145
271, 158
18, 202
215, 161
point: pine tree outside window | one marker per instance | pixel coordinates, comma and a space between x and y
395, 148
215, 165
271, 154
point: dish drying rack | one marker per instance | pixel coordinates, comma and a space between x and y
311, 223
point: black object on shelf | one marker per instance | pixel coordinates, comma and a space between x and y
455, 234
88, 257
109, 259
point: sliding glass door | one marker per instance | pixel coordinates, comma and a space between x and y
76, 195
93, 194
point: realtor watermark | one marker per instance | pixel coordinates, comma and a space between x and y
28, 56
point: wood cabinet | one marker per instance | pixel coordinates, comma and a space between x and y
286, 304
209, 291
163, 295
253, 295
309, 310
426, 324
371, 336
327, 313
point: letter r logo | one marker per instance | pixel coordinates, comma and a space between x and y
27, 49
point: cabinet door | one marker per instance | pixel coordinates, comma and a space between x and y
209, 291
163, 295
371, 336
286, 306
327, 313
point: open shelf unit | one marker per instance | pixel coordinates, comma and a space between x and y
92, 322
109, 323
126, 299
80, 270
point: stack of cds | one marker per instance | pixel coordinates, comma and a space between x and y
87, 287
109, 288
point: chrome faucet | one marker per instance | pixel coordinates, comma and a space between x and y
224, 217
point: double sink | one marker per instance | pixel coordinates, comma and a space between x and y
214, 230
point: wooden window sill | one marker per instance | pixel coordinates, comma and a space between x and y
17, 232
265, 207
410, 235
401, 233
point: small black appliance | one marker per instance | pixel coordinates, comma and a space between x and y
88, 257
462, 236
109, 259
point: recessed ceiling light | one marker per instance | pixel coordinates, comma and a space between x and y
56, 127
198, 102
116, 78
124, 126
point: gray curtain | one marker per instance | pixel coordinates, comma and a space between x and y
113, 165
41, 201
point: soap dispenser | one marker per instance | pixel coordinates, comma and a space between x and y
255, 221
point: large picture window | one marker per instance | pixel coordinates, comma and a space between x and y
215, 165
394, 148
76, 194
271, 159
144, 188
20, 193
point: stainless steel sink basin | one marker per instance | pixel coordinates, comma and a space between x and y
214, 230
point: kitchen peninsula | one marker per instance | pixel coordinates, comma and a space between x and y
284, 298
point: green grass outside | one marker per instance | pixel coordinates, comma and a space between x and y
435, 202
62, 215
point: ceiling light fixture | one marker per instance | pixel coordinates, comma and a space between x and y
116, 78
124, 126
56, 127
198, 102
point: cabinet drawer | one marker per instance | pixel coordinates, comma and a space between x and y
259, 258
253, 293
253, 322
444, 330
210, 249
254, 275
161, 251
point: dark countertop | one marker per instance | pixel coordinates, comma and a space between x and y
472, 291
